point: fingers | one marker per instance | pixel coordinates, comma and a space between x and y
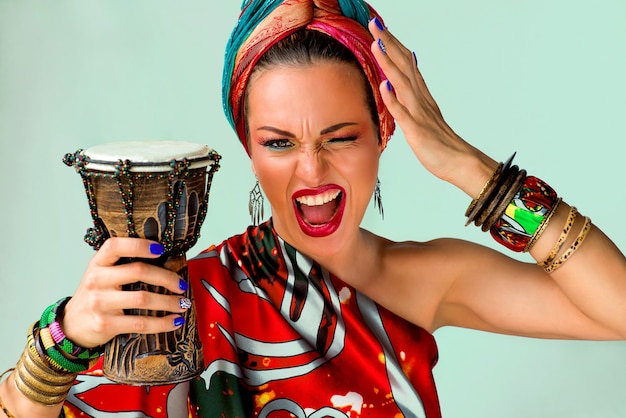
103, 272
115, 248
149, 325
391, 53
400, 66
146, 300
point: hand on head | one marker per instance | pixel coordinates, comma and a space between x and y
407, 97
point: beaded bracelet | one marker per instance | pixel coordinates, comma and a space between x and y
49, 320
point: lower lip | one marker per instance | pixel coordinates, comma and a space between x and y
328, 228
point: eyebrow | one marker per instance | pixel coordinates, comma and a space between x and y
287, 134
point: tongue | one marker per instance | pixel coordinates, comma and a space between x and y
318, 215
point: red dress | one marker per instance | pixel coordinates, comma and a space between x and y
282, 338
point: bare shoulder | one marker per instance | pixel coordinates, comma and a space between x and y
413, 277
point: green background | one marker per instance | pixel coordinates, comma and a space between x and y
545, 79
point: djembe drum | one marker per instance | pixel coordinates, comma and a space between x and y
157, 190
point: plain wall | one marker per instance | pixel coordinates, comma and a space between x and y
545, 79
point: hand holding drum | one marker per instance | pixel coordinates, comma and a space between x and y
157, 190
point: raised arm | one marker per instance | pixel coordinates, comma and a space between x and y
577, 289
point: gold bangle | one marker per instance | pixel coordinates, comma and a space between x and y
37, 380
2, 405
542, 226
566, 230
572, 249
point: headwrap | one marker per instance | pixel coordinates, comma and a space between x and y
263, 23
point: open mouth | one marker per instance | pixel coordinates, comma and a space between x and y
319, 212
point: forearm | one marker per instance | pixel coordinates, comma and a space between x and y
19, 406
594, 276
526, 215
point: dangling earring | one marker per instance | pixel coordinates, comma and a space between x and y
255, 205
378, 200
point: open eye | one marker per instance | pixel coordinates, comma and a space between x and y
278, 144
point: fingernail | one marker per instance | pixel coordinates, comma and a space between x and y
389, 86
415, 58
185, 303
157, 249
183, 285
382, 46
179, 321
379, 24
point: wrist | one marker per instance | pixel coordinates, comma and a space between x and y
473, 173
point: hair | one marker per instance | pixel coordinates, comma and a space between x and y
306, 47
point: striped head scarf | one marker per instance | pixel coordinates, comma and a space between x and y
263, 23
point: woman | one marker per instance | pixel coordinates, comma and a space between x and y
341, 300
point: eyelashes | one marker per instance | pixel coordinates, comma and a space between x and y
282, 143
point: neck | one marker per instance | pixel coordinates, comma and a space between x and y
357, 262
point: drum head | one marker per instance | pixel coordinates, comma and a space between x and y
147, 156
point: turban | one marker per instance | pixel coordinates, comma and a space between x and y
263, 23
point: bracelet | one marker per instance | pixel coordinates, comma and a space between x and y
572, 249
60, 342
477, 208
2, 405
36, 380
501, 190
571, 218
542, 226
522, 214
505, 201
486, 187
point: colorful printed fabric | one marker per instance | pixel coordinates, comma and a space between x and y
524, 214
282, 338
263, 23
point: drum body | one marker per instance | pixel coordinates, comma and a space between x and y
157, 190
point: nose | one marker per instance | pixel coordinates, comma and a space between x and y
312, 166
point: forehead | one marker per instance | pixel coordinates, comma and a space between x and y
319, 88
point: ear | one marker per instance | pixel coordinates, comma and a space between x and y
252, 167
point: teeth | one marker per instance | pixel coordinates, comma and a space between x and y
319, 199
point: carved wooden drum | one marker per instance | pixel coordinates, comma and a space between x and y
157, 190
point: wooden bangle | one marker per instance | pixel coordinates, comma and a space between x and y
501, 189
505, 200
542, 227
572, 249
557, 247
487, 187
476, 208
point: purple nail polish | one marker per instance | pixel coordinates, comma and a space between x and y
179, 321
415, 58
389, 86
379, 24
381, 45
182, 285
156, 248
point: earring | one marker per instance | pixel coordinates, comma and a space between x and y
255, 205
378, 200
